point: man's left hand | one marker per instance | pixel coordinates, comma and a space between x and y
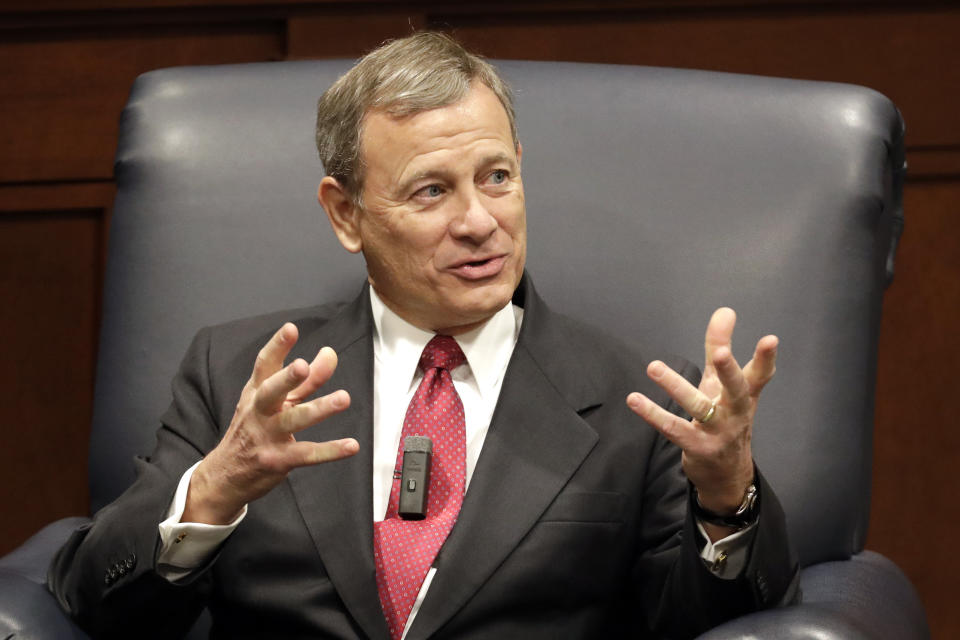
717, 456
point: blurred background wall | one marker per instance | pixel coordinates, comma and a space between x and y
66, 67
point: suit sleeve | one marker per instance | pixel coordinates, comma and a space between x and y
678, 595
105, 576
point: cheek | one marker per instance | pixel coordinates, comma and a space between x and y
512, 216
411, 248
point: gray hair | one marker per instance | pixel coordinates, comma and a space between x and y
424, 71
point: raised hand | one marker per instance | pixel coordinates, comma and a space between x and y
259, 448
716, 442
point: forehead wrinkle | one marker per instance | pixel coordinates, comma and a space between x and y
470, 157
496, 158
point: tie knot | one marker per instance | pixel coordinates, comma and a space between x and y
441, 352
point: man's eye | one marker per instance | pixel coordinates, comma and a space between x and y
498, 177
431, 191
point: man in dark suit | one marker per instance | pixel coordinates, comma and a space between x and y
567, 518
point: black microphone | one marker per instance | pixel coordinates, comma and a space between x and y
415, 477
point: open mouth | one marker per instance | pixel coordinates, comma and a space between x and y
479, 269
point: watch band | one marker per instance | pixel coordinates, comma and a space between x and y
746, 513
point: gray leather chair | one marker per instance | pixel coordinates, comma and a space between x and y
654, 196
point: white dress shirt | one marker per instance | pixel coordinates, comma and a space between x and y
397, 346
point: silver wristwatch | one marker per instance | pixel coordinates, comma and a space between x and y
746, 513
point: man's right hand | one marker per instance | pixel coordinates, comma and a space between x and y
259, 449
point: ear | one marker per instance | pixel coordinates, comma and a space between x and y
343, 214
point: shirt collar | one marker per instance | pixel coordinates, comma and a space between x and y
398, 344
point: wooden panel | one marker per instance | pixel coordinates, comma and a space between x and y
914, 516
21, 7
908, 54
19, 198
61, 93
50, 268
933, 162
346, 35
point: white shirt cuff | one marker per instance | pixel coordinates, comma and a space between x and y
187, 546
726, 557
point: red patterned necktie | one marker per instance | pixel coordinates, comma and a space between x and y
405, 549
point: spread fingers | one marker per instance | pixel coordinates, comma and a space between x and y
271, 356
675, 429
303, 415
301, 454
736, 391
690, 399
305, 453
321, 369
759, 371
270, 396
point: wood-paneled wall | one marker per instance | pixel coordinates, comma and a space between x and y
66, 67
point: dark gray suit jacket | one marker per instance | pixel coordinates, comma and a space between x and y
575, 524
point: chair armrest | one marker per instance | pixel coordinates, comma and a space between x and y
865, 597
27, 610
32, 558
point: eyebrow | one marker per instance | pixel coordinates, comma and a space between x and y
497, 158
429, 174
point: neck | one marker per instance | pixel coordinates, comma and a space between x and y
459, 329
426, 325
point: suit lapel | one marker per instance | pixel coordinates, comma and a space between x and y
336, 499
535, 443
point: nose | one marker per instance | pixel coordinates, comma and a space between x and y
476, 223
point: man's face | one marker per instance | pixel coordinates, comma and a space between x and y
443, 227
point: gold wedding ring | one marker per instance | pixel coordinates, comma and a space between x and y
713, 409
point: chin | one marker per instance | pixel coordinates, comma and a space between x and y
472, 303
481, 308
